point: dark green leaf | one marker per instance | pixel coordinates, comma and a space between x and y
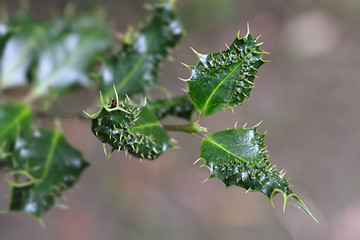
125, 126
135, 68
238, 158
181, 107
50, 164
225, 79
14, 120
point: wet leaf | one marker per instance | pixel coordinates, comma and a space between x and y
50, 166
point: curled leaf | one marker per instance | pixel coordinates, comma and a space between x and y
125, 126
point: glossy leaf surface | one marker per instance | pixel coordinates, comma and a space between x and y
133, 129
52, 56
225, 79
20, 49
135, 68
238, 158
50, 164
65, 59
14, 120
181, 107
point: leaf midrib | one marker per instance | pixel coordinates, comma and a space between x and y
43, 84
222, 81
17, 119
135, 68
50, 155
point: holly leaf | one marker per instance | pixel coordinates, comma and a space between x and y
19, 50
125, 126
50, 166
135, 67
181, 107
64, 61
225, 79
14, 120
238, 158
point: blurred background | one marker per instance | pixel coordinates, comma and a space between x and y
307, 98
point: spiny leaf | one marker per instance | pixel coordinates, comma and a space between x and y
14, 120
50, 164
135, 68
225, 79
238, 158
125, 126
181, 107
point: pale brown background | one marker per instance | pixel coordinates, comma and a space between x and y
307, 96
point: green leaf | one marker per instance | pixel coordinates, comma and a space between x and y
135, 68
14, 120
4, 35
50, 165
125, 126
225, 79
238, 158
181, 107
20, 49
64, 61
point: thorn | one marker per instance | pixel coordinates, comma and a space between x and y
197, 160
248, 29
104, 148
186, 65
182, 79
87, 114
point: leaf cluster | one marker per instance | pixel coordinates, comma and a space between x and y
53, 58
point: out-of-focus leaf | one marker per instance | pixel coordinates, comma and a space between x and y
20, 49
225, 79
135, 68
125, 126
53, 57
238, 158
181, 107
4, 35
50, 165
14, 120
65, 59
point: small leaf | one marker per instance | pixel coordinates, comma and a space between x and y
50, 164
238, 158
64, 61
135, 68
181, 107
225, 79
14, 119
133, 129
